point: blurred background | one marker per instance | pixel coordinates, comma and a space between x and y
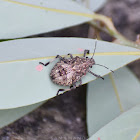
65, 115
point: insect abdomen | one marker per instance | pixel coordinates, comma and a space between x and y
69, 72
62, 74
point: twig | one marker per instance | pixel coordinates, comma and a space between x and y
111, 30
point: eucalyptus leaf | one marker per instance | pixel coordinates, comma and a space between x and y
8, 116
20, 18
93, 5
125, 127
102, 104
21, 84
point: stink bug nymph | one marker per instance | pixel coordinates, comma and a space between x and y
69, 71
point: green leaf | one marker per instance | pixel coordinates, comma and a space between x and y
93, 5
102, 104
21, 84
125, 127
8, 116
20, 18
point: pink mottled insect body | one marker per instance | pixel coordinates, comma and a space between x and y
71, 70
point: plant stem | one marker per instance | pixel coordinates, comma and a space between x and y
111, 30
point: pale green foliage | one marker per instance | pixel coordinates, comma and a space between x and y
23, 87
28, 82
103, 106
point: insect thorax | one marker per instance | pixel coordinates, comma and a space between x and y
70, 71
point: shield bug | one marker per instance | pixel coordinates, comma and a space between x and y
69, 71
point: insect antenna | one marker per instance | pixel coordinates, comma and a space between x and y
94, 48
104, 67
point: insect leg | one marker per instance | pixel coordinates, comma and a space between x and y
70, 55
95, 74
86, 52
104, 67
71, 87
61, 90
58, 56
80, 83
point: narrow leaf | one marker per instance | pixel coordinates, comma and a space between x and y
20, 18
104, 105
125, 127
23, 84
8, 116
92, 4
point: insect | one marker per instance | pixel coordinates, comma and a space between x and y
69, 71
